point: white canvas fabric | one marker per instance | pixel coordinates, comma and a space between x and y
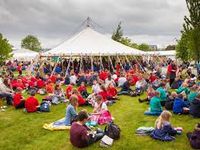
162, 53
92, 43
24, 54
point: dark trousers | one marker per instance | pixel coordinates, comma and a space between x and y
94, 138
8, 98
20, 105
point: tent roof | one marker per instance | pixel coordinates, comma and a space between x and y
162, 53
91, 42
24, 54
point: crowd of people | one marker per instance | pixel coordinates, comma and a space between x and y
176, 90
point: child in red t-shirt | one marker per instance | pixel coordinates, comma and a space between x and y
83, 90
18, 99
69, 91
50, 87
112, 91
31, 103
81, 100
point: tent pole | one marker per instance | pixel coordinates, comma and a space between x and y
111, 62
55, 66
68, 65
92, 67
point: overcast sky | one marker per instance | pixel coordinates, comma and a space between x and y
150, 21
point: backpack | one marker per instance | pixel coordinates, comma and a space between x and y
113, 131
44, 107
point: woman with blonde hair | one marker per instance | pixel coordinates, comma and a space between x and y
71, 110
163, 129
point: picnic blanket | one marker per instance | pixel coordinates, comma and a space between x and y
57, 125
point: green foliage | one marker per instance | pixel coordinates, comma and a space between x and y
117, 35
182, 50
5, 49
21, 130
191, 28
31, 42
144, 47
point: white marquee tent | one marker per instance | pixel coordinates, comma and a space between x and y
162, 53
24, 54
91, 42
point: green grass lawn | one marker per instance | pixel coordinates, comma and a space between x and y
23, 131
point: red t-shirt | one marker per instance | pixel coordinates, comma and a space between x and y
104, 95
152, 78
112, 91
31, 104
17, 99
81, 88
53, 78
40, 83
69, 90
81, 100
103, 75
50, 88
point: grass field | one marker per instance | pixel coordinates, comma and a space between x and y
22, 131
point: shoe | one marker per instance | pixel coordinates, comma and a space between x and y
139, 100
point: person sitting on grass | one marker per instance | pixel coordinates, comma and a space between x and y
150, 94
81, 100
83, 90
163, 94
163, 129
100, 113
170, 101
32, 104
193, 93
155, 105
71, 113
195, 107
80, 136
180, 107
18, 99
194, 137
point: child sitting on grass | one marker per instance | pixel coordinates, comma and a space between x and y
194, 137
18, 99
83, 90
71, 110
180, 107
155, 105
163, 129
32, 104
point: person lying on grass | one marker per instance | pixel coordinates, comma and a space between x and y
163, 128
80, 135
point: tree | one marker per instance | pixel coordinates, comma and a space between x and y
117, 35
182, 50
144, 47
31, 42
5, 49
191, 28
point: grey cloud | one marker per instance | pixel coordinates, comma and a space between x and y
55, 19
